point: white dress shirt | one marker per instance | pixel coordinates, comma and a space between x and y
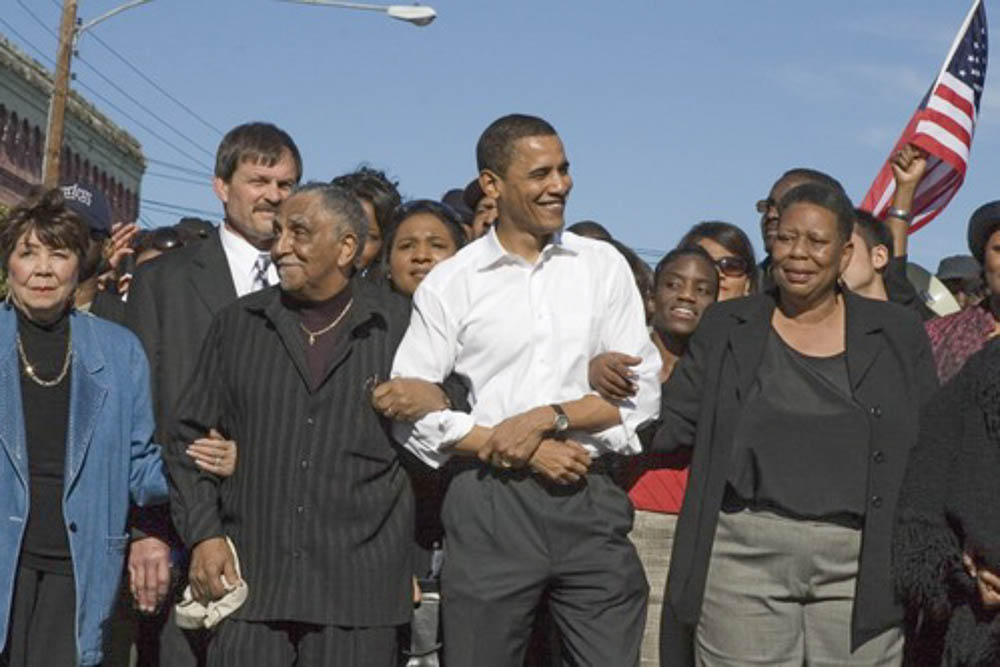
522, 336
242, 257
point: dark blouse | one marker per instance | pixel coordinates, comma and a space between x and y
801, 446
46, 420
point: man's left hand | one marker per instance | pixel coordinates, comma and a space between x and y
513, 441
149, 572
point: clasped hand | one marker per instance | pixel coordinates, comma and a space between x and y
521, 441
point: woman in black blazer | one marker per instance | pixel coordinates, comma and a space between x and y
800, 405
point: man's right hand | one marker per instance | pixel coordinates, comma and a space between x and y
560, 461
211, 559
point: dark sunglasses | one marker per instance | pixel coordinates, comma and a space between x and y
734, 267
765, 205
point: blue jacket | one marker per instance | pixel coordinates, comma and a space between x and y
110, 459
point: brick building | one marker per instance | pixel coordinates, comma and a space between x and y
94, 148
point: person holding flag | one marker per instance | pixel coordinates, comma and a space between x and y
942, 127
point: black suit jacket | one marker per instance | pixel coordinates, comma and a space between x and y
320, 508
171, 303
170, 307
891, 371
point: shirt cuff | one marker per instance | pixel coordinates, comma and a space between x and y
430, 437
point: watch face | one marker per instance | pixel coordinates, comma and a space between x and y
562, 423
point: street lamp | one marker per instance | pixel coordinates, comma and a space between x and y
69, 32
418, 15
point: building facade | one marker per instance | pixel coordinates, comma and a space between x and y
94, 149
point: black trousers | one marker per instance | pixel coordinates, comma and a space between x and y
42, 621
279, 644
514, 540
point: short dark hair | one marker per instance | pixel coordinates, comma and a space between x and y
681, 252
590, 229
872, 231
730, 237
55, 224
807, 175
373, 186
341, 204
640, 270
834, 201
446, 214
261, 143
496, 144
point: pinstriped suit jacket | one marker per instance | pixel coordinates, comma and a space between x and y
320, 508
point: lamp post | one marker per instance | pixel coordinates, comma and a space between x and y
418, 15
69, 32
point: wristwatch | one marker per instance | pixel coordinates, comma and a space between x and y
899, 213
561, 423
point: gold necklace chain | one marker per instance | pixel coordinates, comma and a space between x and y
313, 335
29, 370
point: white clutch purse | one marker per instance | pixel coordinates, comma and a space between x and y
192, 615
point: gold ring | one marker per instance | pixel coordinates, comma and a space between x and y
505, 463
218, 460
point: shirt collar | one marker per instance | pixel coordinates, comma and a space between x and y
494, 254
238, 250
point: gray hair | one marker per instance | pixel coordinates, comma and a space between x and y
340, 203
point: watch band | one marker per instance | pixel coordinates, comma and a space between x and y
561, 422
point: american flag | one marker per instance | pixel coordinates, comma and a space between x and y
943, 126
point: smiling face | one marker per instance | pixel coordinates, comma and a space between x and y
808, 253
420, 242
532, 193
686, 287
41, 279
312, 250
252, 195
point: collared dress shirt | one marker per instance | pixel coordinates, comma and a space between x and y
522, 335
242, 258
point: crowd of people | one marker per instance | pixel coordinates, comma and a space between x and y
341, 428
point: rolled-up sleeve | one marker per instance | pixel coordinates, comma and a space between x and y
427, 352
625, 330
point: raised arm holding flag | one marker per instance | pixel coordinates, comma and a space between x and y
942, 127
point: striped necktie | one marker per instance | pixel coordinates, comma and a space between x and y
260, 267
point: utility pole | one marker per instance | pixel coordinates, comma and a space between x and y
60, 91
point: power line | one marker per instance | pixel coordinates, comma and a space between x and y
118, 88
179, 179
168, 205
155, 85
177, 167
27, 42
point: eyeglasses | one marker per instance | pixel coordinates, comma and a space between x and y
765, 205
734, 267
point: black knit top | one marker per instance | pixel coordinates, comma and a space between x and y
46, 420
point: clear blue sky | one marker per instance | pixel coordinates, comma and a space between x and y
672, 112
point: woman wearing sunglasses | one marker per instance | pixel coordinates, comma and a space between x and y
733, 253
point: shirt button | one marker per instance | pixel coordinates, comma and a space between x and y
304, 463
310, 421
296, 554
72, 526
876, 501
875, 411
300, 509
878, 456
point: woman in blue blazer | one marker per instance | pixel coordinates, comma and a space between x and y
75, 445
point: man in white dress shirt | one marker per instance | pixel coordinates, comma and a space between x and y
518, 314
172, 301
